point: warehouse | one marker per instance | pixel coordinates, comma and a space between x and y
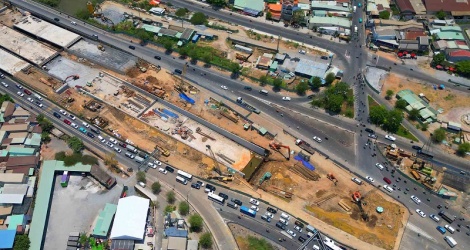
130, 220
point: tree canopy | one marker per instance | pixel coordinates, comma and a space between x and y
438, 135
333, 97
219, 3
390, 120
401, 104
195, 222
463, 67
277, 83
110, 159
413, 114
463, 149
316, 82
302, 87
206, 240
329, 78
384, 14
389, 94
269, 15
198, 18
141, 177
76, 144
156, 187
22, 242
441, 15
181, 12
298, 17
183, 208
170, 197
439, 58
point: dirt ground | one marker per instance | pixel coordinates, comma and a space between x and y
240, 234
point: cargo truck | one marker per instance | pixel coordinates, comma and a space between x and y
131, 148
247, 211
446, 216
305, 146
139, 159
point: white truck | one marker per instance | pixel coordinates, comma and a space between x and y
139, 159
355, 29
37, 96
354, 9
131, 148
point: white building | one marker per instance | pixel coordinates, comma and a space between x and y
130, 219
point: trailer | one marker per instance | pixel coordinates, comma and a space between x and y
305, 146
415, 174
446, 216
131, 148
247, 211
139, 159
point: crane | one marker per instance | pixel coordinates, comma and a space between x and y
277, 146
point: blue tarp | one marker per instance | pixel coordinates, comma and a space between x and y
169, 113
305, 163
186, 98
160, 113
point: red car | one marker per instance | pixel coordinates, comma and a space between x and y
67, 122
388, 181
27, 92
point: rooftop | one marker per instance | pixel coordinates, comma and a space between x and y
311, 68
19, 151
11, 198
175, 232
15, 221
131, 217
330, 5
7, 238
447, 5
105, 218
14, 127
33, 140
176, 243
459, 53
328, 21
450, 36
22, 160
11, 178
257, 5
14, 189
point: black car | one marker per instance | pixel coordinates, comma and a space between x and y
131, 47
56, 19
298, 223
170, 169
302, 239
157, 57
178, 71
236, 201
90, 134
368, 130
57, 115
272, 210
280, 225
195, 185
248, 88
324, 57
416, 147
223, 196
210, 187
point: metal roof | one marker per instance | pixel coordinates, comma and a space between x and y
330, 21
15, 221
131, 218
11, 198
175, 232
105, 218
257, 5
11, 177
311, 68
15, 189
19, 151
177, 243
7, 238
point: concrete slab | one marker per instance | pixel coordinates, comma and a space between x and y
25, 47
111, 58
62, 67
374, 77
10, 63
47, 31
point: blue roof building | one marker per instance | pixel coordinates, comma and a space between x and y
7, 238
174, 232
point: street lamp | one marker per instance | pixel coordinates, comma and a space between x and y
187, 195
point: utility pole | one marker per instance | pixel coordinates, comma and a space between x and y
278, 41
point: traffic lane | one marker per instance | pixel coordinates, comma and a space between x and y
260, 228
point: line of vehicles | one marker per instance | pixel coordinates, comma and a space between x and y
22, 91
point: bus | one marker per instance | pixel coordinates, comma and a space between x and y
247, 211
181, 180
64, 181
450, 241
213, 197
185, 175
446, 216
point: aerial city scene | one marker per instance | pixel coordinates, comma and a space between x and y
234, 124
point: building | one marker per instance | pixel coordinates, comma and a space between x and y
442, 45
410, 8
459, 9
326, 21
426, 113
104, 221
457, 55
287, 11
175, 232
309, 69
157, 11
130, 219
6, 111
250, 7
7, 238
374, 7
176, 243
276, 11
449, 33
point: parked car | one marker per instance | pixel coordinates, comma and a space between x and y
5, 85
91, 135
272, 210
67, 122
291, 233
368, 130
223, 196
195, 185
255, 208
380, 166
55, 114
421, 213
237, 201
298, 229
317, 139
27, 92
63, 112
170, 169
254, 201
163, 171
280, 225
389, 137
370, 179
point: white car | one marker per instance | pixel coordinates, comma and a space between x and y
2, 76
20, 94
110, 144
30, 99
72, 117
85, 124
5, 85
270, 215
113, 140
103, 141
421, 213
416, 199
253, 207
254, 202
73, 23
291, 233
63, 112
370, 179
117, 149
39, 104
224, 87
317, 139
162, 170
389, 137
74, 125
151, 165
298, 229
434, 218
286, 98
158, 163
379, 166
302, 52
19, 86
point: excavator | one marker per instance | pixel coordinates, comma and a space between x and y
73, 77
332, 178
358, 200
277, 146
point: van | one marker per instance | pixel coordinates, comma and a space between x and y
285, 222
263, 92
356, 180
387, 180
450, 229
285, 216
280, 225
232, 205
441, 229
388, 188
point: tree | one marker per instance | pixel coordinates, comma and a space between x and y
384, 14
46, 125
110, 159
195, 222
22, 242
463, 68
389, 94
183, 208
83, 14
269, 15
298, 17
316, 82
75, 143
301, 88
206, 240
441, 15
218, 3
463, 149
235, 68
277, 83
198, 18
141, 177
401, 104
207, 58
439, 58
144, 35
413, 114
168, 45
156, 187
393, 120
40, 118
377, 114
45, 137
329, 78
263, 80
334, 103
170, 197
181, 12
438, 135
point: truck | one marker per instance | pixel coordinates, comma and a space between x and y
446, 216
355, 29
305, 146
38, 97
131, 148
139, 159
247, 211
415, 174
450, 241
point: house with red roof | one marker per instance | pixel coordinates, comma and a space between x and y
457, 8
457, 55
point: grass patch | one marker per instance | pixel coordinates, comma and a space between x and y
403, 132
372, 102
251, 242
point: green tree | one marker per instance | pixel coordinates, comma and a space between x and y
183, 208
439, 58
401, 104
316, 82
424, 127
218, 3
156, 187
393, 120
389, 94
206, 240
301, 88
143, 35
277, 83
141, 177
298, 17
235, 68
384, 14
377, 114
441, 15
463, 67
438, 135
110, 160
40, 118
46, 125
195, 222
269, 15
170, 197
52, 3
83, 14
83, 238
334, 103
413, 114
76, 144
168, 45
463, 149
181, 12
45, 137
329, 78
263, 80
198, 18
22, 242
207, 58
